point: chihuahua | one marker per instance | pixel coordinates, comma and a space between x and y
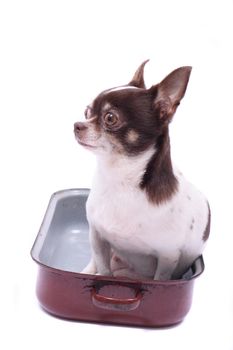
146, 220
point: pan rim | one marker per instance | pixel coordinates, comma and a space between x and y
60, 194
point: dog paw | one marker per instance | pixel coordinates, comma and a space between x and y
90, 268
104, 272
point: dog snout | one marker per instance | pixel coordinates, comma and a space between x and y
79, 126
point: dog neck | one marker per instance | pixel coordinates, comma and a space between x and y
122, 170
150, 171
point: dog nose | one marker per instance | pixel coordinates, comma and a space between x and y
79, 126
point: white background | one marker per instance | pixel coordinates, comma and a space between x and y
55, 57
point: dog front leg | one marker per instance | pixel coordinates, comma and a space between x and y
90, 268
165, 267
101, 252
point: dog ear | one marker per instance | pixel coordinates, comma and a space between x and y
138, 79
170, 91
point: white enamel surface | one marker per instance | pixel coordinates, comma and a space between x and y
62, 242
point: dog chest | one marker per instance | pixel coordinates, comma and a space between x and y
128, 221
115, 214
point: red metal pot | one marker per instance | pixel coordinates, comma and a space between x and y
62, 250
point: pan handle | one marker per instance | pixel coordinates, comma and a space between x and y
116, 304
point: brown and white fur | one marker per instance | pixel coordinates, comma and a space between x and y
146, 220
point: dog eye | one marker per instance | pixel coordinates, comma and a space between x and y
111, 119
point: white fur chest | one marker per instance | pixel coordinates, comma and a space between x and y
118, 216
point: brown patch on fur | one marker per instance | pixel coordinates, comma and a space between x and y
207, 229
134, 109
159, 182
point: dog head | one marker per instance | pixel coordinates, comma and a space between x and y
130, 119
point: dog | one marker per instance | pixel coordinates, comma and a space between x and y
145, 219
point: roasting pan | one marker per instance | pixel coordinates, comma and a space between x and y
62, 250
